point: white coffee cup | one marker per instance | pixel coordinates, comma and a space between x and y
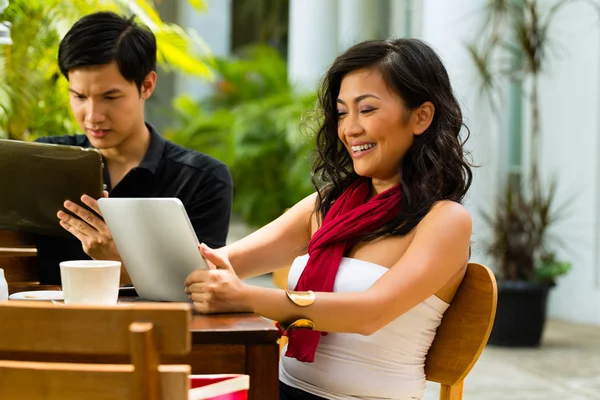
90, 281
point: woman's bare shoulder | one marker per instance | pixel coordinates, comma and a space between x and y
448, 211
447, 221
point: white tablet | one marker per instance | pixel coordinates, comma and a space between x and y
157, 243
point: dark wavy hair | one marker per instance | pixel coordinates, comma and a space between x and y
434, 168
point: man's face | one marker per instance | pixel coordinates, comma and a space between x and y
108, 108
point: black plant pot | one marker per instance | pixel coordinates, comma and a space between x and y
521, 314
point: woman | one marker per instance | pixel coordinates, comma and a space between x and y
387, 238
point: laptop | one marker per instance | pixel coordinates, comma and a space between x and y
37, 178
157, 243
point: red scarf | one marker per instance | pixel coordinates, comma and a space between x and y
350, 217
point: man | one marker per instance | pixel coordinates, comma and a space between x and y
110, 63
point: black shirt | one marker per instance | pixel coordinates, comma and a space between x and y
202, 183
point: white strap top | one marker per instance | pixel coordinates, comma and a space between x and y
389, 364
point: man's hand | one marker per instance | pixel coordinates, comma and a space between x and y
91, 231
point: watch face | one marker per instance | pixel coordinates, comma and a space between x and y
302, 324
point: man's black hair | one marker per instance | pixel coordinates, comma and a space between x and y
103, 37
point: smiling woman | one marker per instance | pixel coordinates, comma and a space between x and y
386, 236
376, 127
395, 102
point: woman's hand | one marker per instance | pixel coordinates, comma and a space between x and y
218, 289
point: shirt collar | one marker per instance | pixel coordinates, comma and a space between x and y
155, 150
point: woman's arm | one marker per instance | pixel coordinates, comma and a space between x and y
438, 251
275, 245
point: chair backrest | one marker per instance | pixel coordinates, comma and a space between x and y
465, 328
280, 277
143, 332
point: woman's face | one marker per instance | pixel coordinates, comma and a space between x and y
374, 125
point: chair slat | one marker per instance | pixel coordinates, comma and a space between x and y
465, 328
145, 359
58, 381
32, 327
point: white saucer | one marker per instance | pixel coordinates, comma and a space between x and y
61, 303
38, 295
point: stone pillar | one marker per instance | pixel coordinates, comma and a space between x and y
214, 27
400, 22
361, 20
313, 44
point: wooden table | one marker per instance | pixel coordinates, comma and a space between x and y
237, 343
221, 344
228, 343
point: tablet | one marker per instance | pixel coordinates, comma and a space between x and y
157, 243
37, 178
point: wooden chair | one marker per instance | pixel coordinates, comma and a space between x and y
142, 331
18, 259
461, 336
464, 332
280, 277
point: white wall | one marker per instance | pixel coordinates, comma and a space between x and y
570, 103
446, 26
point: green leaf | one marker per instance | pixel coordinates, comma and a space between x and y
198, 5
269, 152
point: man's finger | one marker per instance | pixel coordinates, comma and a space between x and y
100, 225
77, 224
68, 227
91, 203
85, 215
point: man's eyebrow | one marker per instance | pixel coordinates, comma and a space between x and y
111, 91
359, 98
107, 93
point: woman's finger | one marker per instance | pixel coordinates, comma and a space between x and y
215, 258
200, 297
201, 308
196, 276
200, 287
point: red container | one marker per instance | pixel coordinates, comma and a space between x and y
219, 387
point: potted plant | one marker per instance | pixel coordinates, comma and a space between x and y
525, 259
513, 45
